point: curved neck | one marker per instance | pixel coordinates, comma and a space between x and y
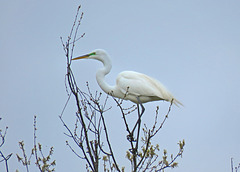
100, 75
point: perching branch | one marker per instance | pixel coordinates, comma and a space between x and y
146, 158
90, 131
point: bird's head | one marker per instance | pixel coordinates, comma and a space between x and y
97, 54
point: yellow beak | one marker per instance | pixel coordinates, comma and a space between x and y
81, 57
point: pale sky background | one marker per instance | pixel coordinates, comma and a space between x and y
192, 46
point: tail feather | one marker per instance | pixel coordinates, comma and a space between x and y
176, 102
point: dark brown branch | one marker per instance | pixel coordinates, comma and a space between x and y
107, 138
79, 144
165, 118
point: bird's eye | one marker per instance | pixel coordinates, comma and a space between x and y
93, 53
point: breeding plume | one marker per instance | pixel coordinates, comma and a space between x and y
136, 87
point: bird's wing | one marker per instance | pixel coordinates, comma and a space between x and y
139, 84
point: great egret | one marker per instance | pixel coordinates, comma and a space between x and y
136, 87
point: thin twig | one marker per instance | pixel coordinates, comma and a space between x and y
165, 118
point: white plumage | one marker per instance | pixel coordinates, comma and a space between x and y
130, 85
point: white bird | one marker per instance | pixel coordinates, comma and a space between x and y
136, 87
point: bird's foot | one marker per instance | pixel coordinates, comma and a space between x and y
130, 137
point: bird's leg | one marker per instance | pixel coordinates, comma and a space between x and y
139, 114
130, 136
143, 109
138, 131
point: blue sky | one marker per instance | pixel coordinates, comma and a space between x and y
192, 47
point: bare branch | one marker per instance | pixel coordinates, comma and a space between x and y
90, 131
4, 158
